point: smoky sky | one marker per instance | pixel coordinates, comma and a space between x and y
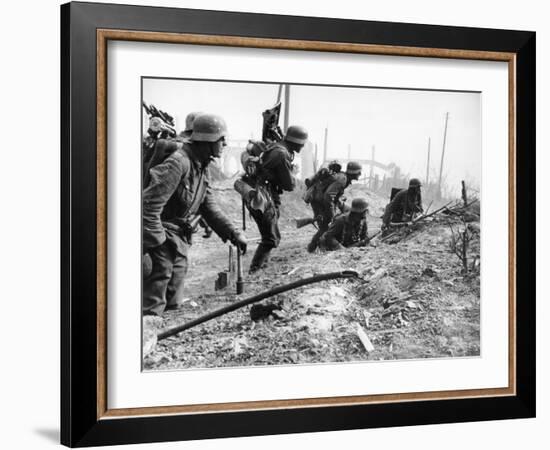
397, 122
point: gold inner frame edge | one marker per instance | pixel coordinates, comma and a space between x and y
104, 35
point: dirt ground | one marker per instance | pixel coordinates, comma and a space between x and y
412, 300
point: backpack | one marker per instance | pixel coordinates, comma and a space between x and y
318, 184
163, 149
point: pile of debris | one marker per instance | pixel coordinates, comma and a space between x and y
457, 213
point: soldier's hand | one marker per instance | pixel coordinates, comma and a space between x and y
238, 239
147, 268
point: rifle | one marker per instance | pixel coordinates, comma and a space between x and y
167, 124
306, 221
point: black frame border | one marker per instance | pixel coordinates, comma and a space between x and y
79, 423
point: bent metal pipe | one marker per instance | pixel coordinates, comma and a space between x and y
256, 298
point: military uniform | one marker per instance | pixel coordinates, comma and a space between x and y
405, 202
177, 192
268, 174
160, 151
147, 150
324, 206
274, 177
344, 232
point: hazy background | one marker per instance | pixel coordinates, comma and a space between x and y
397, 122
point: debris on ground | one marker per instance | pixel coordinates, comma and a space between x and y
412, 299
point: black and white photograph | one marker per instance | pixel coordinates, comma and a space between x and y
287, 223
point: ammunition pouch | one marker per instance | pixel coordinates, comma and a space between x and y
184, 228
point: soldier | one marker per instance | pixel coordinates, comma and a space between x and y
162, 147
272, 176
189, 119
150, 140
177, 195
349, 229
326, 197
404, 205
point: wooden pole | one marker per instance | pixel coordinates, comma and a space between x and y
279, 93
316, 158
442, 155
428, 164
349, 152
464, 194
287, 106
371, 174
325, 146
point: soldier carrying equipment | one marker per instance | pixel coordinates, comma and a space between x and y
268, 173
326, 197
178, 192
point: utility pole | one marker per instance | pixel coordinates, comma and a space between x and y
315, 159
287, 106
442, 154
349, 152
371, 174
279, 93
428, 163
325, 146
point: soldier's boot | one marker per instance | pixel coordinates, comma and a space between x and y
260, 258
312, 246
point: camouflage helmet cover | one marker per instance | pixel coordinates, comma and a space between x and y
296, 134
208, 128
190, 119
414, 182
359, 205
353, 168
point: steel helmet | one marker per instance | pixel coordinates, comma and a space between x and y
190, 119
359, 205
296, 134
353, 168
335, 166
208, 128
414, 182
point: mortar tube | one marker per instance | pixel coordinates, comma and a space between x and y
230, 267
255, 298
239, 272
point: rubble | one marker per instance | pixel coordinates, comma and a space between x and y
413, 302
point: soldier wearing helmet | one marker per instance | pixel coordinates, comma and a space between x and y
325, 200
177, 195
274, 175
405, 204
189, 120
349, 229
162, 147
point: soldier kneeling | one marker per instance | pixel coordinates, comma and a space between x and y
349, 229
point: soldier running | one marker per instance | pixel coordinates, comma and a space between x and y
404, 205
349, 229
177, 195
325, 199
262, 189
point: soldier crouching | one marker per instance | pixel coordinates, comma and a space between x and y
405, 204
349, 229
177, 195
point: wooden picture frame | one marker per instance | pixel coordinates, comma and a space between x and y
85, 417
